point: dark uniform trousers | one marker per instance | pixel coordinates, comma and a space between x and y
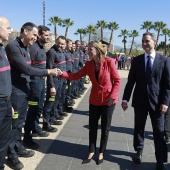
19, 99
95, 112
51, 102
61, 104
36, 102
74, 83
157, 121
5, 128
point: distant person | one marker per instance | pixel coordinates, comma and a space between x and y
128, 62
103, 97
150, 73
5, 92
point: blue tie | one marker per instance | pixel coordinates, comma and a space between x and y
148, 68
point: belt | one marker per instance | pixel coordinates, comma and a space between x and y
5, 98
37, 77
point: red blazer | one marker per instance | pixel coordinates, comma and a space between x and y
108, 84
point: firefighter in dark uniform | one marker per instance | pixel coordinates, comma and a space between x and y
5, 92
20, 61
37, 89
55, 59
69, 66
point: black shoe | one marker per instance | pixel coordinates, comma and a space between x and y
50, 129
40, 134
59, 117
160, 166
14, 163
56, 122
68, 109
86, 161
77, 95
99, 161
25, 153
74, 97
138, 157
30, 144
63, 114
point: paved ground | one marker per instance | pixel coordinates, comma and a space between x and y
66, 149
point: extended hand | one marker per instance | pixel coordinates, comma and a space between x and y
53, 72
59, 72
124, 106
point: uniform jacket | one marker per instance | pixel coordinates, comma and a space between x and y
157, 90
108, 84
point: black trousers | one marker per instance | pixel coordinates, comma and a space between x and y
95, 112
5, 129
157, 121
167, 123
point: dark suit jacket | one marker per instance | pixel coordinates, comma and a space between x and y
157, 90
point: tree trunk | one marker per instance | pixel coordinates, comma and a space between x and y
89, 36
111, 36
101, 34
55, 32
165, 47
66, 32
131, 45
157, 39
80, 38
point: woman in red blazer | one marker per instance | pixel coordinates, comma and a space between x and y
103, 97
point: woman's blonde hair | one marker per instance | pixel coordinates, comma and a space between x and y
99, 46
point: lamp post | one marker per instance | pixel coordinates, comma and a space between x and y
43, 13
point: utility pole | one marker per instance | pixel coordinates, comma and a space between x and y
43, 13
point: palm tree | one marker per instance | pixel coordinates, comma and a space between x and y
55, 21
166, 32
80, 31
112, 26
124, 34
91, 29
147, 25
158, 26
102, 25
67, 23
133, 34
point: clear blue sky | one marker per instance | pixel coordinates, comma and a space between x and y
129, 14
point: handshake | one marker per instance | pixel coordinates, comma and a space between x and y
55, 72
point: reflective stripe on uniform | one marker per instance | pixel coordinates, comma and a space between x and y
15, 116
52, 99
32, 103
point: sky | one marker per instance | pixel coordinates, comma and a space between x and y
129, 14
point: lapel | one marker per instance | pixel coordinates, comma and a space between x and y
156, 64
142, 64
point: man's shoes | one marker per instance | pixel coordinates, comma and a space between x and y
49, 129
30, 144
63, 114
15, 163
40, 134
68, 109
56, 122
25, 153
138, 157
160, 166
167, 139
74, 97
59, 117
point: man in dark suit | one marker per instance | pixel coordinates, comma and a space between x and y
150, 73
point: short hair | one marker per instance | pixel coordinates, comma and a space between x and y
68, 40
151, 34
42, 28
77, 41
29, 26
61, 37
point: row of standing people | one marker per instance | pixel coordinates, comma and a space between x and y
23, 84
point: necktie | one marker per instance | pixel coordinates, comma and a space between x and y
148, 68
